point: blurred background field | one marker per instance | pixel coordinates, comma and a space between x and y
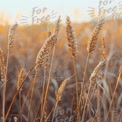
29, 40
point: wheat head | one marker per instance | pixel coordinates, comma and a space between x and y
72, 43
2, 67
94, 37
20, 79
11, 35
45, 51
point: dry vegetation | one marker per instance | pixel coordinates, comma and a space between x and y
69, 73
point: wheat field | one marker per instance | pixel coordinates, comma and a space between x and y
69, 73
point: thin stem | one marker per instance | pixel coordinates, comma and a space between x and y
42, 100
54, 111
4, 94
34, 81
86, 102
98, 105
50, 113
76, 80
48, 83
4, 87
118, 79
20, 103
10, 106
27, 94
83, 84
104, 105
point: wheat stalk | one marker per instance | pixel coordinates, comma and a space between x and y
91, 79
32, 93
96, 75
47, 56
91, 47
4, 80
72, 43
42, 59
10, 45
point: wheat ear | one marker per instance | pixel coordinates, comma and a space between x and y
10, 45
11, 35
72, 43
94, 36
44, 51
2, 67
20, 79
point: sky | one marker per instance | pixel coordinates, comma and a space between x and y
14, 10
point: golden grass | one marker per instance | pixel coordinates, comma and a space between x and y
92, 91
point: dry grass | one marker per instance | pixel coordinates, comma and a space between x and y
41, 82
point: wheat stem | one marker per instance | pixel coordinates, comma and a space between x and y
48, 83
86, 101
98, 105
34, 82
76, 80
117, 83
83, 81
54, 111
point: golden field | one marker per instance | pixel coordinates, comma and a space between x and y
61, 72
